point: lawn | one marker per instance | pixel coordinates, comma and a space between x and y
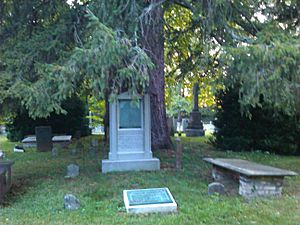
39, 187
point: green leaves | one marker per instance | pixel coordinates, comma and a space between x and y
267, 72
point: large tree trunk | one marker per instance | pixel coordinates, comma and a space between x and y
153, 42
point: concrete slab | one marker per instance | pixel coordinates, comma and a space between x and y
154, 200
249, 168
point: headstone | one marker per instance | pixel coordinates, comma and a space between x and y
94, 143
185, 123
2, 154
149, 200
72, 171
92, 150
216, 187
130, 135
178, 164
77, 134
78, 148
71, 202
54, 151
43, 138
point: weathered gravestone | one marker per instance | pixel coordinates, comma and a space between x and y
149, 200
43, 138
72, 171
54, 151
130, 135
71, 202
216, 187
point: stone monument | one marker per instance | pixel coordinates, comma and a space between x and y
195, 127
44, 138
130, 135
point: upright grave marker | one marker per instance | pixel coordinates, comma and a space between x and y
44, 138
130, 135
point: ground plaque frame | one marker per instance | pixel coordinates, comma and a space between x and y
160, 200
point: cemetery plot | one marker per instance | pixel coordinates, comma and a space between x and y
149, 200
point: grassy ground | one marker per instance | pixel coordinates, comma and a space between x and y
39, 187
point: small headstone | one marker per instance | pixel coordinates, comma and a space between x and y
71, 202
54, 151
94, 143
72, 171
79, 147
215, 187
92, 150
2, 154
73, 151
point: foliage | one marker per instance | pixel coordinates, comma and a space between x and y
20, 124
268, 69
97, 109
176, 103
266, 130
32, 34
80, 53
39, 187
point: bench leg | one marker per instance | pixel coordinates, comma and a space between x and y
228, 178
260, 186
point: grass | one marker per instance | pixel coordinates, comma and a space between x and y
39, 187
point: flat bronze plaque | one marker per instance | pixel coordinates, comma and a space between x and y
148, 196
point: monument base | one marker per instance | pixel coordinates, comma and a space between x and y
194, 132
128, 165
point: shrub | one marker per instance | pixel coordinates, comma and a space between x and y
266, 130
75, 120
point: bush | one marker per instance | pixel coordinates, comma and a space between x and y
266, 130
75, 120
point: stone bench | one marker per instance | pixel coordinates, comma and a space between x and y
250, 179
5, 178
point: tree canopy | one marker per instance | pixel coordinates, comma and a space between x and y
51, 49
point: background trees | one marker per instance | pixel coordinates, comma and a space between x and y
50, 50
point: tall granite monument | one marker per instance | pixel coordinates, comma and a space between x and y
130, 135
195, 127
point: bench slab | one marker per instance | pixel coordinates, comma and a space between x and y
249, 168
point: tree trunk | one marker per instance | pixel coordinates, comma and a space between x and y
153, 43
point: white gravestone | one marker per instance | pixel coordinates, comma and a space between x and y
130, 135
